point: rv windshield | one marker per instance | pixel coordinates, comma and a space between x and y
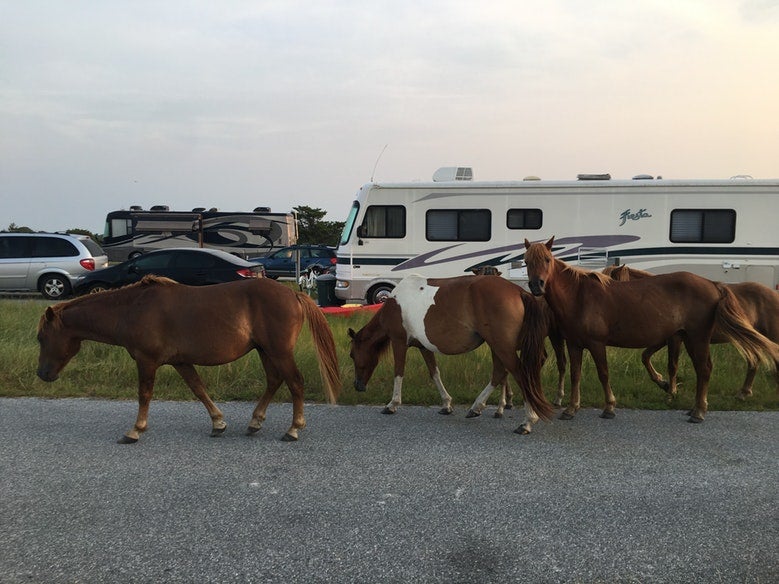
349, 224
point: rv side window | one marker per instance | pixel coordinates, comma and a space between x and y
458, 225
524, 219
384, 221
703, 225
120, 227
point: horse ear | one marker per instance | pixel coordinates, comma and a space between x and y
351, 333
527, 244
49, 314
550, 243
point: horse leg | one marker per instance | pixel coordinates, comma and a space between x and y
701, 359
399, 349
674, 348
654, 375
294, 380
435, 375
497, 380
575, 358
195, 383
506, 399
746, 389
559, 353
273, 381
598, 353
146, 375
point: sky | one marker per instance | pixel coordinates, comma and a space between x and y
238, 104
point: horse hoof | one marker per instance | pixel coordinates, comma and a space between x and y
472, 414
497, 415
251, 431
126, 440
566, 416
445, 411
217, 432
695, 420
523, 429
607, 415
288, 438
509, 406
388, 411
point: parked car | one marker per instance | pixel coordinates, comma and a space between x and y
50, 263
193, 266
282, 262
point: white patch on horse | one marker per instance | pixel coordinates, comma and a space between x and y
415, 297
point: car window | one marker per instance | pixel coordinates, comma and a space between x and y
53, 247
15, 247
153, 261
321, 253
193, 260
92, 247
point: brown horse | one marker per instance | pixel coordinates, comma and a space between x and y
162, 322
594, 311
760, 303
454, 316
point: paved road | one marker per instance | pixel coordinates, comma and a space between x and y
362, 497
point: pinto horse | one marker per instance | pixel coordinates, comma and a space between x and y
162, 322
594, 311
454, 316
760, 303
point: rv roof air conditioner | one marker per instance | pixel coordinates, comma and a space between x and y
159, 208
453, 173
605, 176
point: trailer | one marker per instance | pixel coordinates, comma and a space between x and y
721, 229
130, 233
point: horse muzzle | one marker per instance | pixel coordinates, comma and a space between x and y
47, 374
536, 287
359, 385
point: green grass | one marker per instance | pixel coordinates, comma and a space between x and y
104, 371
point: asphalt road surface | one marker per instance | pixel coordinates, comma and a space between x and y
364, 497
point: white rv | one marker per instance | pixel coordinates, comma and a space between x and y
724, 230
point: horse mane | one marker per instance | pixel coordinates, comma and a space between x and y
537, 251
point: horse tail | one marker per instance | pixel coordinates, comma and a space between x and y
733, 322
325, 346
532, 353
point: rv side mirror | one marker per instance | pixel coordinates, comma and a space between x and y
360, 231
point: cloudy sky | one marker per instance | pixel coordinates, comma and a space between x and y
237, 104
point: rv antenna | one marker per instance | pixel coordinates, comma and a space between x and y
377, 161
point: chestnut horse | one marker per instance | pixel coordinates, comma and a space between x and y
162, 322
760, 303
594, 311
454, 316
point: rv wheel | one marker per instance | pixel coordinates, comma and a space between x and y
379, 293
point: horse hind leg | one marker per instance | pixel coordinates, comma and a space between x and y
195, 383
273, 382
746, 388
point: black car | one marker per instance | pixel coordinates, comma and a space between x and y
193, 266
282, 262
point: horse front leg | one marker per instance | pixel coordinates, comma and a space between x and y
598, 353
560, 360
435, 375
195, 383
399, 349
746, 388
575, 361
146, 375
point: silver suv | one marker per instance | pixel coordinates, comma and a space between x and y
50, 263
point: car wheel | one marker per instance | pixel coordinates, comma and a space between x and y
54, 286
379, 293
95, 288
